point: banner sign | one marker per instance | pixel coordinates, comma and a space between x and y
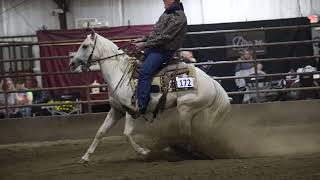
245, 38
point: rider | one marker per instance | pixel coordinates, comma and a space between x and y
166, 37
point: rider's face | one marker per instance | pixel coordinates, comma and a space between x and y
168, 3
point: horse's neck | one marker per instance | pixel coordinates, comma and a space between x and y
113, 69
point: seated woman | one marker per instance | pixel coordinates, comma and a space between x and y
24, 98
245, 69
8, 85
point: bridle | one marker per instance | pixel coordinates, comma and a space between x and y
91, 61
91, 54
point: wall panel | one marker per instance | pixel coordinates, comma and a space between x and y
33, 14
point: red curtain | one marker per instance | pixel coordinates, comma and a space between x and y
63, 49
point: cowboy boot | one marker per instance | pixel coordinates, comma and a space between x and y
132, 110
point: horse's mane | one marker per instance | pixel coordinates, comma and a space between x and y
107, 44
109, 48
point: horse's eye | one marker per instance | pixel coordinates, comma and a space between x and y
85, 46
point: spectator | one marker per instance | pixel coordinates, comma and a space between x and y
39, 97
24, 98
245, 69
8, 85
187, 57
246, 54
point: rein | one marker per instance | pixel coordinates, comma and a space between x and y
91, 61
98, 60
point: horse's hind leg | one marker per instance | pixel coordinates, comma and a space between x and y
129, 127
111, 119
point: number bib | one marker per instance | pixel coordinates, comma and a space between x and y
185, 82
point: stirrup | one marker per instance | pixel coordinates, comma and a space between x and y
133, 111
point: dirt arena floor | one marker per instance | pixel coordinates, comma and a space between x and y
114, 159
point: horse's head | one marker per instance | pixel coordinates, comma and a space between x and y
86, 52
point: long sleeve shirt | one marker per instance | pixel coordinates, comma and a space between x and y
168, 33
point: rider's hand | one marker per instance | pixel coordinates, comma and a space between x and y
139, 46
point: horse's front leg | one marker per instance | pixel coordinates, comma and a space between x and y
111, 119
129, 127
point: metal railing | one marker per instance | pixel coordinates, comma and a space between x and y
256, 76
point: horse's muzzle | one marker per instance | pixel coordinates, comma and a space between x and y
72, 66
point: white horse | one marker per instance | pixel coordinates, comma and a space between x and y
189, 116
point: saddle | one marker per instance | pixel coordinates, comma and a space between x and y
166, 80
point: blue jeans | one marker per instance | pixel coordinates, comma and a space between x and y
153, 62
25, 112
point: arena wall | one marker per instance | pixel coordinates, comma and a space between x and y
282, 128
253, 129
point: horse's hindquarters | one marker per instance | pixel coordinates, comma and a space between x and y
207, 132
207, 111
207, 126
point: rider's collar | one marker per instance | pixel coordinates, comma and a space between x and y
175, 7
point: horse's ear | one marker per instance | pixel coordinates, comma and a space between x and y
93, 34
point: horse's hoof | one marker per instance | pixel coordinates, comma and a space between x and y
148, 120
145, 152
83, 161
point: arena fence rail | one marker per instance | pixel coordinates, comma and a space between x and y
10, 41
